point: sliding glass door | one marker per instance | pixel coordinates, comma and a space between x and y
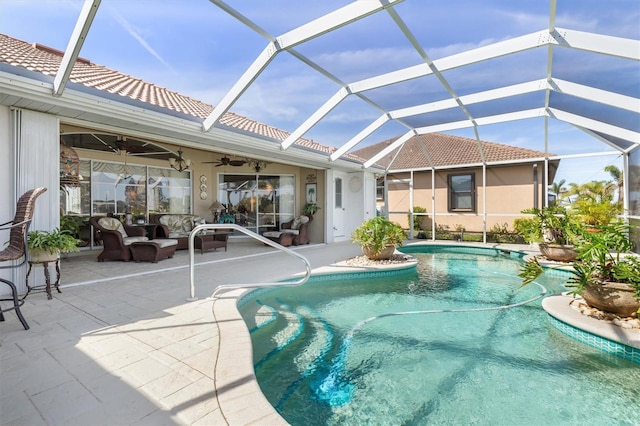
257, 202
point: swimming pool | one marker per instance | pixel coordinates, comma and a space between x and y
327, 353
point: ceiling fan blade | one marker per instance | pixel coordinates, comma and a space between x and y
237, 163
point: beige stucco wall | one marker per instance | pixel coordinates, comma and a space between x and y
509, 191
211, 172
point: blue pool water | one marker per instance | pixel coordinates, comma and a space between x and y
328, 352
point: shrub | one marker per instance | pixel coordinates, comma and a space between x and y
417, 220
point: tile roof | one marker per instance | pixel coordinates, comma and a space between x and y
444, 150
46, 60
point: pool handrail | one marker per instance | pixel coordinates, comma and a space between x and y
233, 226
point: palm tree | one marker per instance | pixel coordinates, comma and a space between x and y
594, 202
573, 192
618, 179
559, 189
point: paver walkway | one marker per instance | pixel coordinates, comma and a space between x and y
125, 347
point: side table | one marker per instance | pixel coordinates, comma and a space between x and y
47, 286
149, 227
211, 241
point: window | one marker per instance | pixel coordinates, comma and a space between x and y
116, 188
338, 194
462, 193
169, 191
257, 202
380, 189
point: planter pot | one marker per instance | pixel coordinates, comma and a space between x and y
557, 252
38, 255
386, 253
616, 298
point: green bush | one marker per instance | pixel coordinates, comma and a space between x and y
416, 219
377, 233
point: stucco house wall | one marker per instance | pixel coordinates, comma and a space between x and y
509, 190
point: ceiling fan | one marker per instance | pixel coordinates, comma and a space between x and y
226, 161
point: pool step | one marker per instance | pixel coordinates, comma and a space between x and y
259, 315
318, 343
316, 347
286, 327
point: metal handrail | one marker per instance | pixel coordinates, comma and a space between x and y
226, 226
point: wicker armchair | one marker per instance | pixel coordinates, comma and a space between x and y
17, 248
116, 237
292, 232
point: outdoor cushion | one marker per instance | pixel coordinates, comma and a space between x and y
129, 240
186, 224
165, 242
299, 221
113, 224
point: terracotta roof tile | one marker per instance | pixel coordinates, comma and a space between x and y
46, 60
444, 150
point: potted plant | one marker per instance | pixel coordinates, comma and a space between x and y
554, 229
378, 237
46, 246
605, 273
310, 209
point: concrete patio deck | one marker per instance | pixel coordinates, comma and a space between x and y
121, 345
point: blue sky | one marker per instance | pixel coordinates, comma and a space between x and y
193, 47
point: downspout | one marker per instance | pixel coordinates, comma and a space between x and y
626, 188
484, 202
535, 186
411, 205
545, 184
433, 204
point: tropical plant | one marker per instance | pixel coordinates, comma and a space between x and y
618, 180
378, 233
500, 233
52, 241
417, 219
602, 256
71, 224
310, 209
594, 203
559, 189
528, 229
553, 224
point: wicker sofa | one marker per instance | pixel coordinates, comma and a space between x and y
177, 226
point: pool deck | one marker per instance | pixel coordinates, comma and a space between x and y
122, 345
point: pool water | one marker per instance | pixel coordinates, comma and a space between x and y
327, 352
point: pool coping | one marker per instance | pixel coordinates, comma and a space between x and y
558, 306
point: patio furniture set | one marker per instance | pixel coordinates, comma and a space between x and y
153, 242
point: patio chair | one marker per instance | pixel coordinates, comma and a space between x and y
292, 232
117, 237
17, 247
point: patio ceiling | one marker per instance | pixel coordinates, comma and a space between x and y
524, 69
